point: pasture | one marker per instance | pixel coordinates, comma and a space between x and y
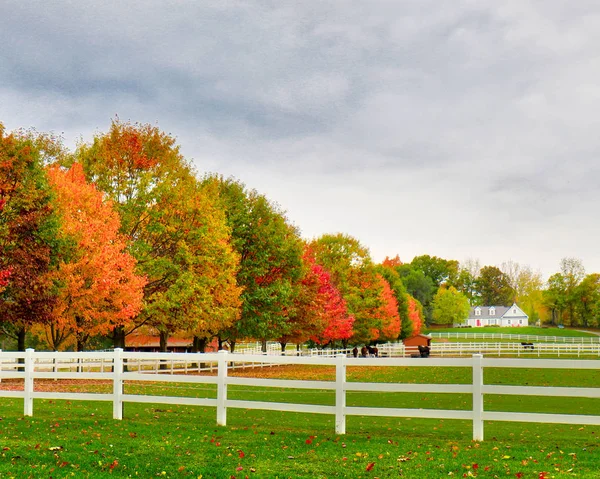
79, 438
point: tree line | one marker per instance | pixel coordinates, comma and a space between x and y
122, 235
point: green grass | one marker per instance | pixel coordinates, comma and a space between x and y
80, 439
525, 330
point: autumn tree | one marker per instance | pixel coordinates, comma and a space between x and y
493, 288
450, 306
588, 300
162, 211
271, 265
28, 234
353, 273
415, 314
320, 311
388, 313
390, 274
98, 288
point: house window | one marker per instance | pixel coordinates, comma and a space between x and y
492, 311
509, 321
477, 312
514, 311
520, 321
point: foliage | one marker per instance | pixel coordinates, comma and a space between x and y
353, 273
415, 314
98, 287
178, 235
388, 313
28, 228
388, 272
439, 270
493, 288
450, 306
320, 311
588, 304
419, 287
271, 261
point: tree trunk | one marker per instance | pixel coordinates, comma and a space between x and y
283, 345
199, 346
263, 345
119, 337
164, 336
21, 344
231, 345
21, 339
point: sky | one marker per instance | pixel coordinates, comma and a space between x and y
464, 129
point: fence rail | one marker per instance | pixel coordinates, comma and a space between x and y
30, 365
518, 337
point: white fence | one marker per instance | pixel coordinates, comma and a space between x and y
110, 366
518, 337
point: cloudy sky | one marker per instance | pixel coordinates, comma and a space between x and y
461, 129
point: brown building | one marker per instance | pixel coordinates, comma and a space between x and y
411, 345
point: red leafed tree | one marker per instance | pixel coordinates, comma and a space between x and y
320, 311
4, 274
27, 234
335, 311
98, 285
415, 314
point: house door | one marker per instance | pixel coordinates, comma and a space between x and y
479, 322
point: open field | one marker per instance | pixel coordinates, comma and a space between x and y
79, 439
526, 330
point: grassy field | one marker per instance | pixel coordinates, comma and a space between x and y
79, 439
526, 330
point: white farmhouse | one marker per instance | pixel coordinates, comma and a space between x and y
503, 316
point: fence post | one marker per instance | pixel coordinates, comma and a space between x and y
118, 384
28, 385
477, 397
222, 364
340, 394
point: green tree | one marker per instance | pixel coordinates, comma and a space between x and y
555, 297
588, 300
420, 287
493, 288
439, 270
450, 306
271, 261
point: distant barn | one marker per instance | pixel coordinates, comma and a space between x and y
411, 345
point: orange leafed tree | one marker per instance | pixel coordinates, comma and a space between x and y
390, 319
391, 262
99, 288
415, 314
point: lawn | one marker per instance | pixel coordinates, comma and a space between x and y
79, 439
524, 330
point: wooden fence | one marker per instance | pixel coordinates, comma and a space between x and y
31, 365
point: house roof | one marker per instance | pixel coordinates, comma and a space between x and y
485, 312
499, 312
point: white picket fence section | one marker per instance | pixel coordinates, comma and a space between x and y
517, 337
30, 366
